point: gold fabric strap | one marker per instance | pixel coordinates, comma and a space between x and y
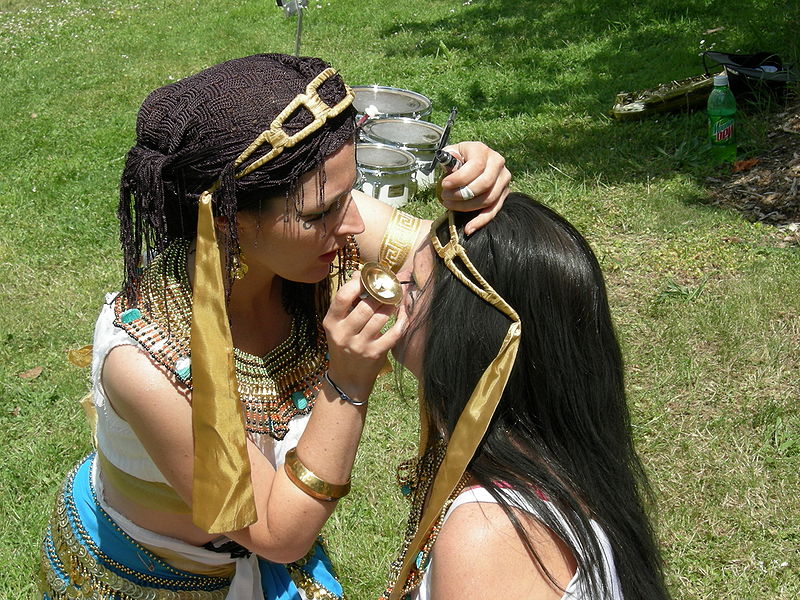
398, 239
310, 484
477, 414
150, 494
222, 493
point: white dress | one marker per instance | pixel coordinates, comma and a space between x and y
117, 441
575, 589
115, 438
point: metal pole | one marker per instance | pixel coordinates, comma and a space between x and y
299, 28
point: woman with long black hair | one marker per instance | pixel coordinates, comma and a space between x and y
527, 484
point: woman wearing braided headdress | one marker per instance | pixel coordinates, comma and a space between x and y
229, 390
527, 484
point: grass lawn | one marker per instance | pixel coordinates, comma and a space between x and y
707, 304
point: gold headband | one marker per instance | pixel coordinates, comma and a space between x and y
277, 137
222, 491
478, 412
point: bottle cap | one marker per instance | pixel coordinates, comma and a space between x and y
721, 79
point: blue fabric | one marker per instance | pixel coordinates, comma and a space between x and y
111, 547
320, 569
278, 584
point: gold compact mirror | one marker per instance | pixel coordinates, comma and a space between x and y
379, 282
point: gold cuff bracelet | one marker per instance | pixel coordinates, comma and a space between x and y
309, 483
398, 239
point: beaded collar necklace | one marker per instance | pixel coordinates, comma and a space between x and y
415, 478
273, 389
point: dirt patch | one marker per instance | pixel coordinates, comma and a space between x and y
767, 188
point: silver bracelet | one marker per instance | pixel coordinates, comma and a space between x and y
341, 393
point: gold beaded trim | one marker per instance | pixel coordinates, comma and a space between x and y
303, 581
398, 240
69, 546
312, 588
273, 389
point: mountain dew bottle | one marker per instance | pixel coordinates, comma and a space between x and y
721, 119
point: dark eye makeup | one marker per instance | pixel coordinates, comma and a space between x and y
309, 219
413, 293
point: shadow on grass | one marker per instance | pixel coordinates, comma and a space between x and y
576, 57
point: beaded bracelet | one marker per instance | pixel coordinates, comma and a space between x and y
341, 393
309, 483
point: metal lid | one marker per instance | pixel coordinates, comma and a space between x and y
384, 159
402, 131
389, 100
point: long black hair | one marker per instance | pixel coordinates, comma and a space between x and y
562, 430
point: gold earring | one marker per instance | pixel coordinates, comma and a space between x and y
239, 268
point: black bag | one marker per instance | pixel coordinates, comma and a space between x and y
754, 76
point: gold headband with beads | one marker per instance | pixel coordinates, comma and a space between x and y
222, 490
477, 414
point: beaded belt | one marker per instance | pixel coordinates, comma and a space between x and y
74, 566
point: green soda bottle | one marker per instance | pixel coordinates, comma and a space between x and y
721, 120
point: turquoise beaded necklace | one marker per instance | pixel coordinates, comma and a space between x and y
273, 388
415, 478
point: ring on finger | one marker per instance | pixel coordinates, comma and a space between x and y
466, 193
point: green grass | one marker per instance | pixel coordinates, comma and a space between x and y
707, 304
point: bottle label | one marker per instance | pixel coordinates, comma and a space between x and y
722, 130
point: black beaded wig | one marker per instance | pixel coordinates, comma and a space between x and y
188, 135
